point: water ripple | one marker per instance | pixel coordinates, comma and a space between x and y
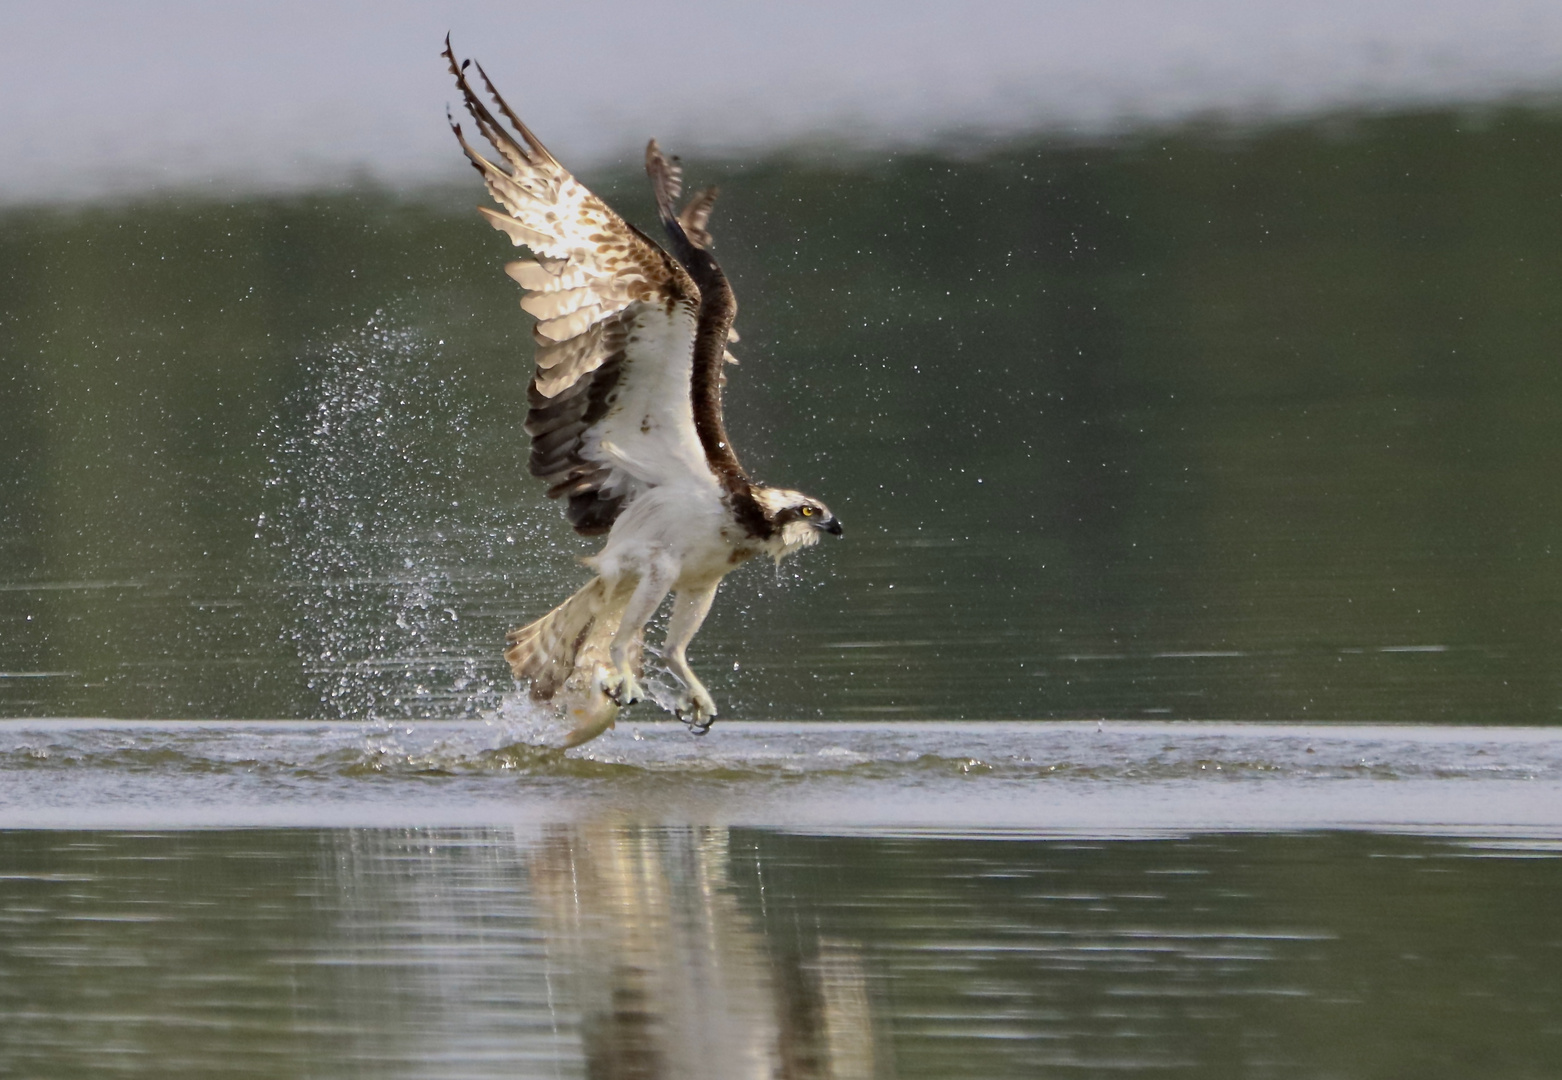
842, 776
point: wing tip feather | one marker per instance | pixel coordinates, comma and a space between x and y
532, 142
666, 180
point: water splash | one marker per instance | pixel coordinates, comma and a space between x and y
381, 554
399, 563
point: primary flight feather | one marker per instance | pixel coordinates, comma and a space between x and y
625, 420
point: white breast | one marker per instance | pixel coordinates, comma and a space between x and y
687, 523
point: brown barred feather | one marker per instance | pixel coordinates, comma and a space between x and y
591, 272
695, 215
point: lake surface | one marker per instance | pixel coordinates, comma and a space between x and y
612, 949
1135, 443
803, 900
1193, 426
1111, 779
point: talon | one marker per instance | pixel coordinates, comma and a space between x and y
622, 689
698, 711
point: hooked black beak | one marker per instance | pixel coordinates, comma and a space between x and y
833, 527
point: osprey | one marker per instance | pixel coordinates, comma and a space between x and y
626, 423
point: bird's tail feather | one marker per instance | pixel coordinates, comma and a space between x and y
564, 655
544, 652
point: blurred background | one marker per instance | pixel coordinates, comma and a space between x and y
1185, 360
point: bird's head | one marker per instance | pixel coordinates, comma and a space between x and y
798, 519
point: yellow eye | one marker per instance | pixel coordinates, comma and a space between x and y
808, 511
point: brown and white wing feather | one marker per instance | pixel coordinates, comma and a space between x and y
666, 175
610, 410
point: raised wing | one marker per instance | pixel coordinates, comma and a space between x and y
694, 219
667, 183
718, 307
610, 405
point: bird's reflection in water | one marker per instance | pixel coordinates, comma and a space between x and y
674, 979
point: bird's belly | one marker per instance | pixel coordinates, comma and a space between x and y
704, 564
692, 532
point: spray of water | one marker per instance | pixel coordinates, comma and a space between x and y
402, 564
393, 553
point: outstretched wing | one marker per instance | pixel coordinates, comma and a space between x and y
610, 406
667, 184
694, 219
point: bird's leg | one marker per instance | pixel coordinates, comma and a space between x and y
655, 581
690, 607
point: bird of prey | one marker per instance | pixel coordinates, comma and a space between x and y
626, 421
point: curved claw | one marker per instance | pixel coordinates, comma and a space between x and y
697, 726
698, 711
622, 689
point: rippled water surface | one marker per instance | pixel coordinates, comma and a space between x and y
1187, 425
1107, 778
1135, 443
606, 946
803, 900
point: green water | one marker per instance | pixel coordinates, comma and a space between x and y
1215, 425
1203, 425
611, 950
